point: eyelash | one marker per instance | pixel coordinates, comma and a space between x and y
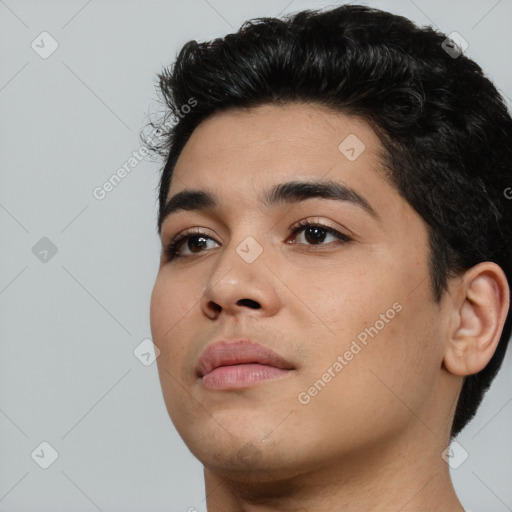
172, 249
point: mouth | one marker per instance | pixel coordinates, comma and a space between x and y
236, 364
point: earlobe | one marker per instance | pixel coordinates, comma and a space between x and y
480, 311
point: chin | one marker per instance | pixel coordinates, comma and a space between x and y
251, 464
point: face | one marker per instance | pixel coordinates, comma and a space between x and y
344, 300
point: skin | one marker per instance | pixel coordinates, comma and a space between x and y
372, 438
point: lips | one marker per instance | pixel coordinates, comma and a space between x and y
238, 363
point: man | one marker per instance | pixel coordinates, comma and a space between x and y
333, 295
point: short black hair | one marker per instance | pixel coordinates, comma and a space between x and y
445, 128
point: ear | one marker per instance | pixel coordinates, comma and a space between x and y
480, 307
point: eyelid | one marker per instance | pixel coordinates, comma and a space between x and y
315, 220
320, 221
195, 230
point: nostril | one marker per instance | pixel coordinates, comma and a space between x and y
249, 303
215, 307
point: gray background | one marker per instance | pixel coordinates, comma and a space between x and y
69, 325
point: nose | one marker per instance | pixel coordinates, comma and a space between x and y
236, 287
213, 308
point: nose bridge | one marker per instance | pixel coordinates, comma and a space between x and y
238, 262
239, 277
244, 250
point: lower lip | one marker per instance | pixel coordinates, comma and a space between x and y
240, 375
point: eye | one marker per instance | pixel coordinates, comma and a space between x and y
315, 234
194, 242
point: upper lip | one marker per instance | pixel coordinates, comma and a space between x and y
239, 351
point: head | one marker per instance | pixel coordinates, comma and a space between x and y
417, 286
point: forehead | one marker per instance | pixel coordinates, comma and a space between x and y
237, 154
292, 136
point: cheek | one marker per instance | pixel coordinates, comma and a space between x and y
376, 384
347, 300
170, 304
171, 300
373, 318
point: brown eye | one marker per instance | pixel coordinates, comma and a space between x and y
315, 234
193, 242
199, 242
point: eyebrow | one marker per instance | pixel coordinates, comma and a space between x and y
288, 192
